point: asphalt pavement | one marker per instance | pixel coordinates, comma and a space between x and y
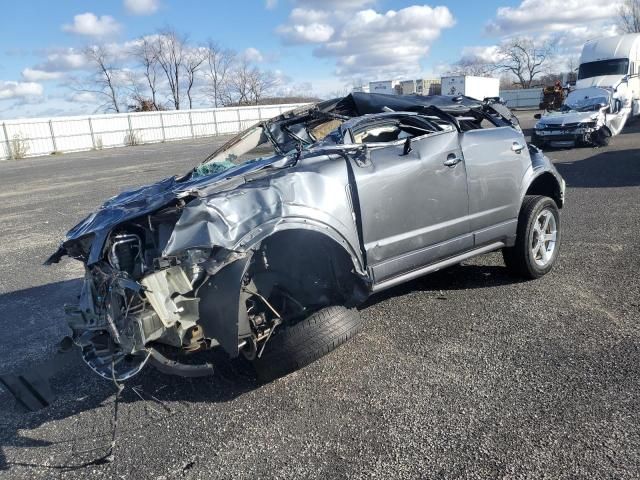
465, 373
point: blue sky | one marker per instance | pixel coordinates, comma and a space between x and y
320, 46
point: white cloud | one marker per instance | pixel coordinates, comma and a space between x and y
490, 54
306, 16
35, 75
309, 33
83, 97
253, 55
62, 61
366, 42
335, 4
548, 15
141, 7
22, 90
271, 4
563, 24
91, 25
306, 26
382, 44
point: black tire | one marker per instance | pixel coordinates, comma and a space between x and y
293, 347
519, 258
602, 137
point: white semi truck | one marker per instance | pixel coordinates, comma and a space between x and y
613, 62
607, 93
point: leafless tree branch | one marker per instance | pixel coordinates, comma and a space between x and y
524, 59
105, 78
192, 62
220, 62
629, 16
146, 55
170, 53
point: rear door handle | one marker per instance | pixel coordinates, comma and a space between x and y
452, 160
517, 147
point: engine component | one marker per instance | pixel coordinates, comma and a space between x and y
126, 254
165, 291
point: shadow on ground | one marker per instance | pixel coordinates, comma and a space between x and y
457, 277
80, 390
606, 169
75, 388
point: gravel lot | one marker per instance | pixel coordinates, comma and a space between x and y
462, 374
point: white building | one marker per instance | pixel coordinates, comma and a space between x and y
388, 87
408, 87
361, 88
428, 86
470, 86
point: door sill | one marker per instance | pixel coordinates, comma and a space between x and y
392, 282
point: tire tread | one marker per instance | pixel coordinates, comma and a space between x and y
301, 344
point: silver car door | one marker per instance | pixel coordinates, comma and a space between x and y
414, 206
496, 160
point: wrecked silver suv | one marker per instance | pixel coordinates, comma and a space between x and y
266, 247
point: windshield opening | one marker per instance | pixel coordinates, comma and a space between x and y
250, 146
265, 141
586, 100
619, 66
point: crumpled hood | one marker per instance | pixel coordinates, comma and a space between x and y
134, 203
564, 118
603, 81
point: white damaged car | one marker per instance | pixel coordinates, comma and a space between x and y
588, 116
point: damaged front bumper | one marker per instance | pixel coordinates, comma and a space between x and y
130, 314
569, 136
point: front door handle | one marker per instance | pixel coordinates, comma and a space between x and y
517, 147
452, 160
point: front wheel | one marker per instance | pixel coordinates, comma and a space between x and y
294, 346
538, 238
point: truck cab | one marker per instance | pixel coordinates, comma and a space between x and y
613, 62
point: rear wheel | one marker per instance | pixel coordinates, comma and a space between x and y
538, 238
292, 347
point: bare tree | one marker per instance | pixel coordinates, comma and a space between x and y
105, 81
471, 66
146, 54
170, 54
193, 60
629, 16
524, 59
220, 62
260, 83
240, 82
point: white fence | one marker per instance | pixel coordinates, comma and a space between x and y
44, 136
522, 98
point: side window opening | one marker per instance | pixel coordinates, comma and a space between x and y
475, 123
379, 134
399, 129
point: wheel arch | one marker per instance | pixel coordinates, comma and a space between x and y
311, 261
548, 185
255, 237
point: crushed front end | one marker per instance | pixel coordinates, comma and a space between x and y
137, 306
559, 135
